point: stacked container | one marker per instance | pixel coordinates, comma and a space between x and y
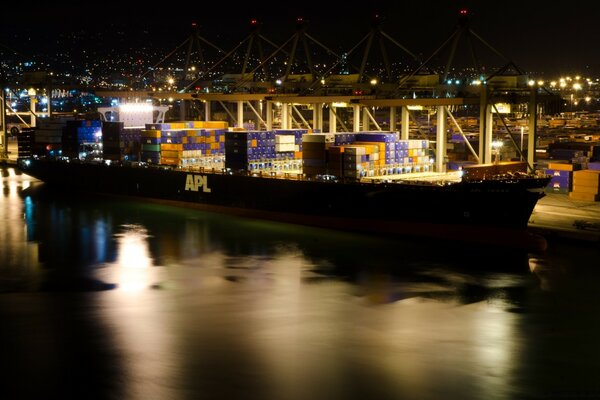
250, 150
314, 152
82, 139
48, 137
586, 184
25, 140
562, 177
120, 143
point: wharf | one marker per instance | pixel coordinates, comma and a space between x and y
557, 216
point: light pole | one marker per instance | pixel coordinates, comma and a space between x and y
521, 155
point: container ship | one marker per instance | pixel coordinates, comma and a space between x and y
369, 182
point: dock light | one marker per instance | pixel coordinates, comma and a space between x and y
322, 81
373, 81
540, 83
31, 92
563, 84
278, 82
531, 82
497, 144
171, 81
577, 86
588, 99
553, 83
476, 82
135, 107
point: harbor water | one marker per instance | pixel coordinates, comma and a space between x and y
110, 298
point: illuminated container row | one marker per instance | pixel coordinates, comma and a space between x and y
263, 150
356, 155
221, 125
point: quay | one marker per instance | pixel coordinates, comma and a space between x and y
557, 216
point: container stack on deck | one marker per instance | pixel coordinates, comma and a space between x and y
264, 151
120, 143
249, 150
25, 141
185, 144
364, 154
48, 137
82, 139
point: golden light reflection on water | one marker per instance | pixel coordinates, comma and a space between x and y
19, 258
133, 258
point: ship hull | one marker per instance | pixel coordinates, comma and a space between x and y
493, 212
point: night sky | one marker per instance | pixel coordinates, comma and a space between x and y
539, 36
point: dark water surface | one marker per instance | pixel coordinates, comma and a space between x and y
112, 299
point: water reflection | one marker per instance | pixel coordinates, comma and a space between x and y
209, 306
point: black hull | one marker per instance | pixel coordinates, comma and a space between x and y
492, 212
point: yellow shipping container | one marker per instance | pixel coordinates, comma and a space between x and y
584, 196
150, 133
216, 124
587, 177
585, 189
560, 166
171, 154
171, 146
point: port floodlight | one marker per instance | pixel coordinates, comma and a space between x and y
373, 81
31, 92
135, 107
577, 86
496, 144
531, 82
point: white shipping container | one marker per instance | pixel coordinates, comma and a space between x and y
285, 147
284, 139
